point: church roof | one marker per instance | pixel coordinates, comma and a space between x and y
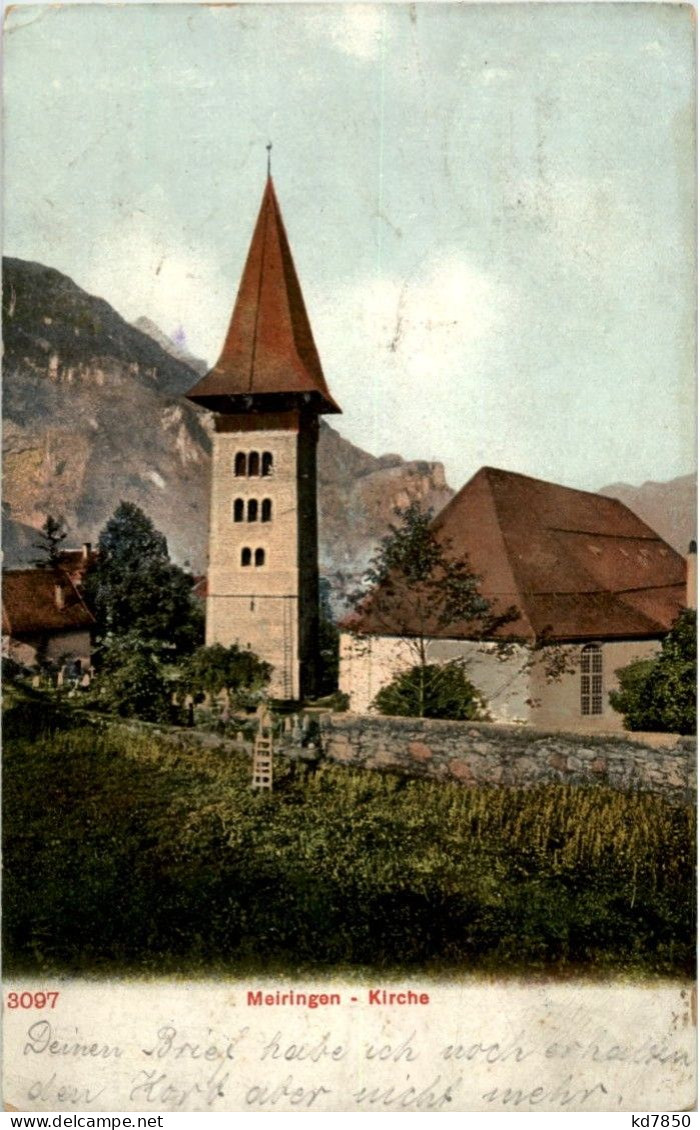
575, 565
269, 348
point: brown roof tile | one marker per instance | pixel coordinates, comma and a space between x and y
29, 603
576, 565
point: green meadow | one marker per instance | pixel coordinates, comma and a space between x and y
125, 855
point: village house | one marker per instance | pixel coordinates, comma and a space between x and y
593, 587
45, 620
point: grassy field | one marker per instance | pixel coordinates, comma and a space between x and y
125, 855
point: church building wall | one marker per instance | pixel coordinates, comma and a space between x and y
516, 686
368, 663
557, 704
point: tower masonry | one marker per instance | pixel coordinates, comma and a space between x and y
267, 392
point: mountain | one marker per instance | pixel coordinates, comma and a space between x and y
146, 326
669, 508
93, 413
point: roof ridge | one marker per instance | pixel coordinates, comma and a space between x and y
256, 321
559, 486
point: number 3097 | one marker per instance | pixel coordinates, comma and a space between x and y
32, 1000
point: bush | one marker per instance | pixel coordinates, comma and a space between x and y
433, 691
660, 694
132, 682
233, 671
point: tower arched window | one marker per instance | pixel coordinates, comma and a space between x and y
259, 557
254, 463
266, 510
245, 556
239, 464
592, 679
266, 463
238, 507
252, 509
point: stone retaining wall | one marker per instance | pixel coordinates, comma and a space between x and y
473, 754
480, 753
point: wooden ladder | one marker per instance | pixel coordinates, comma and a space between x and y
262, 751
287, 646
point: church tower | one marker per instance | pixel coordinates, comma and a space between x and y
267, 391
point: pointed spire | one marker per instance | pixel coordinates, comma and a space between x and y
269, 349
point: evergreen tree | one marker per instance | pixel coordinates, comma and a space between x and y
133, 586
433, 691
53, 534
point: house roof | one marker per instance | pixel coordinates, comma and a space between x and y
575, 565
29, 603
269, 349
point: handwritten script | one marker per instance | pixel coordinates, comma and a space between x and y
125, 1046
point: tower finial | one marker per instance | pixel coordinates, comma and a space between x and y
269, 156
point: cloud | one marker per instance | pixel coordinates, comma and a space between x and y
490, 75
420, 326
396, 350
356, 30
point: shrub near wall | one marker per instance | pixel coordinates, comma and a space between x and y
484, 754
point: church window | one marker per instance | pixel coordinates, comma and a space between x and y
266, 463
592, 679
239, 464
254, 463
259, 557
245, 556
238, 510
252, 509
266, 510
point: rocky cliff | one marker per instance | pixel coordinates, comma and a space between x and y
94, 414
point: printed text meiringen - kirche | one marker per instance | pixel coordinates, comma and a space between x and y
291, 998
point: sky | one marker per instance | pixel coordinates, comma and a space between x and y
491, 207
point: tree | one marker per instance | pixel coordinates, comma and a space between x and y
436, 690
132, 681
53, 534
418, 588
132, 586
234, 671
660, 694
328, 643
